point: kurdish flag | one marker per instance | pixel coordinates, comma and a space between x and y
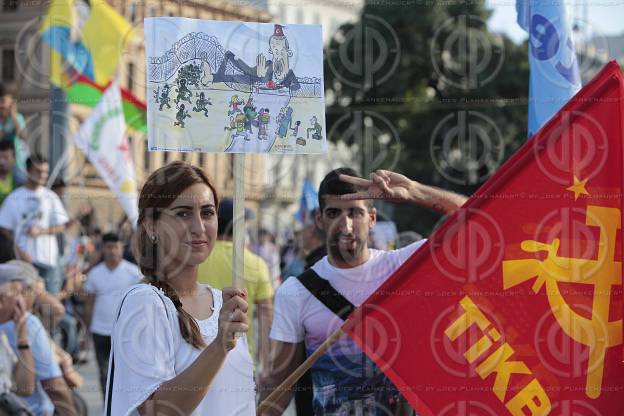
86, 40
514, 305
86, 92
89, 37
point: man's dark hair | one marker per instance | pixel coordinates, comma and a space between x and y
7, 145
34, 159
110, 238
332, 185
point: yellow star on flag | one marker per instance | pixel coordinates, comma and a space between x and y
578, 187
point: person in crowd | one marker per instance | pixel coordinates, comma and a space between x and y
217, 272
50, 394
125, 236
268, 250
35, 215
51, 312
187, 359
345, 381
105, 284
13, 129
291, 256
312, 240
9, 181
16, 375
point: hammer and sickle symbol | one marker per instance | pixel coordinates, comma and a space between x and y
597, 333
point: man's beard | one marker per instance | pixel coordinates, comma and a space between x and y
342, 254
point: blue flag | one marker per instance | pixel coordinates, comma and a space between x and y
309, 201
554, 69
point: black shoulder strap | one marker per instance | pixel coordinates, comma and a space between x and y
326, 294
109, 387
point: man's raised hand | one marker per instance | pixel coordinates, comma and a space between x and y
383, 184
392, 186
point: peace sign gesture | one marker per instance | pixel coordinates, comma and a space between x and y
394, 187
383, 184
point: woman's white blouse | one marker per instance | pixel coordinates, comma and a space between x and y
148, 350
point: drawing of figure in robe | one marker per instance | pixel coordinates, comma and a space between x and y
272, 73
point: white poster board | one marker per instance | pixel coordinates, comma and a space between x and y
217, 86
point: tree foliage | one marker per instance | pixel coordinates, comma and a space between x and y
427, 90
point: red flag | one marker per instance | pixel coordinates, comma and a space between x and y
514, 305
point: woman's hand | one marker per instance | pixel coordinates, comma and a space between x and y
233, 317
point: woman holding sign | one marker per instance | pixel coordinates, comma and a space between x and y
174, 349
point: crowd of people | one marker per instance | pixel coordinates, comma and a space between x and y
152, 299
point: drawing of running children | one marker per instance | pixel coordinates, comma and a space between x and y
184, 94
263, 122
250, 114
164, 97
200, 104
237, 124
234, 103
295, 130
180, 116
316, 129
272, 74
284, 120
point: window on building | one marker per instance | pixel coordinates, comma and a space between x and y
146, 156
282, 13
9, 5
132, 11
152, 11
200, 160
8, 65
300, 16
165, 158
130, 75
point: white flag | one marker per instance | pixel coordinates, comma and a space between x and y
103, 140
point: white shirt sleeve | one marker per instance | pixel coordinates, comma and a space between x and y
143, 349
287, 325
8, 213
406, 252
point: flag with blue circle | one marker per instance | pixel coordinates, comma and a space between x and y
554, 68
309, 201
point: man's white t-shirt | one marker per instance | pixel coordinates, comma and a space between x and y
108, 286
299, 316
148, 350
24, 208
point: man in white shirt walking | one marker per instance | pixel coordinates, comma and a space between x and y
35, 215
104, 287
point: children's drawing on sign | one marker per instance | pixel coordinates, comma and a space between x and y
248, 86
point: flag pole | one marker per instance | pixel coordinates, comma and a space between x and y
290, 381
239, 221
